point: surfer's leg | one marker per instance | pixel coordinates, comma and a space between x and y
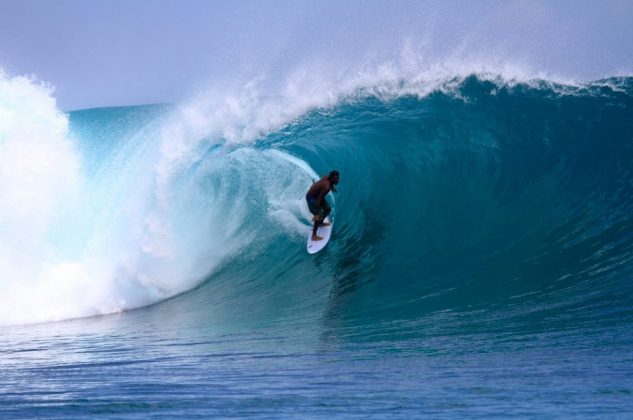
317, 222
318, 217
325, 211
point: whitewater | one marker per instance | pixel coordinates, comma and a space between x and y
152, 258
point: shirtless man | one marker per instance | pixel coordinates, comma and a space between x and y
316, 201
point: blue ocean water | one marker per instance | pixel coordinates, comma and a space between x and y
480, 264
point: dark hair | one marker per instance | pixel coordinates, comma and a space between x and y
333, 174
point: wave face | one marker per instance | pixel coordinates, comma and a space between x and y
511, 201
505, 203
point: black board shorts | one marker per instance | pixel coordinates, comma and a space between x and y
322, 211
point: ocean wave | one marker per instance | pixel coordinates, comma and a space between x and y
459, 192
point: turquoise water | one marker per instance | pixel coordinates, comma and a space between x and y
480, 263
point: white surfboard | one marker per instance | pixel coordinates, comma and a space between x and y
322, 231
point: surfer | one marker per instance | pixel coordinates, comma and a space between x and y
318, 204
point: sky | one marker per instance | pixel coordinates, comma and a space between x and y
123, 52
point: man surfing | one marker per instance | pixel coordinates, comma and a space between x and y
316, 201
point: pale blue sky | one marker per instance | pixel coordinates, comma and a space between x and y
120, 52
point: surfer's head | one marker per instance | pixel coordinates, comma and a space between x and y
333, 177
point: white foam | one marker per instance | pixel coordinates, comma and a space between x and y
39, 177
242, 112
71, 246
